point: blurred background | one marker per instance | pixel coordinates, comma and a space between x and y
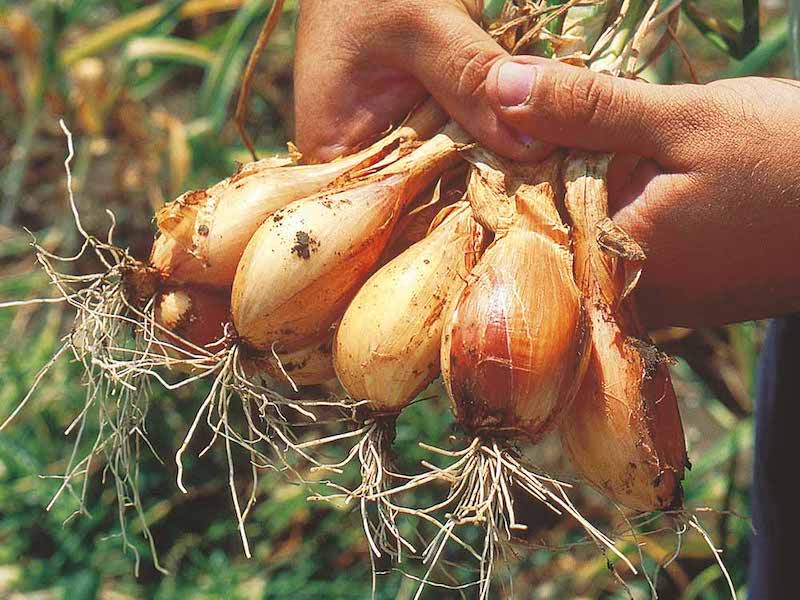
148, 90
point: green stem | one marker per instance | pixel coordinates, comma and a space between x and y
586, 22
626, 30
121, 29
772, 44
794, 36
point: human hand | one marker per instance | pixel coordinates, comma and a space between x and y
361, 66
715, 198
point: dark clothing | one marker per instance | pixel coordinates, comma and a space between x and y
773, 565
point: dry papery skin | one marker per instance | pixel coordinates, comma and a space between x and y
298, 273
292, 285
308, 366
313, 365
415, 224
623, 434
205, 232
294, 245
384, 365
514, 348
515, 341
124, 297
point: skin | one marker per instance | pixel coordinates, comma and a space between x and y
706, 177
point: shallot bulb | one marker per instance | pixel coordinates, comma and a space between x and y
515, 342
623, 434
206, 231
387, 344
307, 261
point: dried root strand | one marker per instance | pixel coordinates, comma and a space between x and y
480, 481
114, 365
264, 413
115, 340
379, 515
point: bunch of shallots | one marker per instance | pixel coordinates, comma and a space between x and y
303, 290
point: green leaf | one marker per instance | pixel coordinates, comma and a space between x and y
737, 43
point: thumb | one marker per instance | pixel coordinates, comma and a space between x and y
572, 106
451, 56
381, 57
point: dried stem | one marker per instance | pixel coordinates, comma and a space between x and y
242, 103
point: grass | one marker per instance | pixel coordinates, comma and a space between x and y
148, 92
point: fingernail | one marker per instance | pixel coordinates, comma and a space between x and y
515, 83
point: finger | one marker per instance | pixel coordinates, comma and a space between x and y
343, 99
576, 107
378, 65
451, 56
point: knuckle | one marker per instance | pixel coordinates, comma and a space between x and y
469, 67
593, 98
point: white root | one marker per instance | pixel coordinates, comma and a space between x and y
694, 523
264, 415
121, 350
480, 480
113, 367
372, 449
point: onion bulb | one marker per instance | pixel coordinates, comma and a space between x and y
206, 231
190, 318
386, 351
306, 262
513, 353
387, 345
623, 434
416, 223
515, 340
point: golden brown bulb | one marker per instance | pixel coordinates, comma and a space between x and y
515, 343
387, 344
623, 434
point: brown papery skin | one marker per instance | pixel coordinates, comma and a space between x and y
623, 434
387, 344
191, 315
206, 231
415, 224
515, 343
307, 261
173, 262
